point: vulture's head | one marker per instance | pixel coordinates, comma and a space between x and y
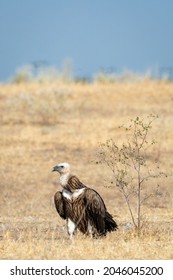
62, 168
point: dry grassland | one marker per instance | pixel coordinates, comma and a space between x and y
43, 124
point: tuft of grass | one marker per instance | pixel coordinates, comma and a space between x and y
36, 240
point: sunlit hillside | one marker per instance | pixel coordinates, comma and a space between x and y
44, 123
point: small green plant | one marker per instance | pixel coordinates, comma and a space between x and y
131, 166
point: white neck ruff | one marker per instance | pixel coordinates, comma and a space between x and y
72, 196
64, 179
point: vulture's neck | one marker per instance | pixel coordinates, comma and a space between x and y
64, 179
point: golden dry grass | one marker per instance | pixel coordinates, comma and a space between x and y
46, 123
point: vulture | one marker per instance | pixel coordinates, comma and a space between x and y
82, 207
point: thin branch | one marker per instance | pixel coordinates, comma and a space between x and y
129, 207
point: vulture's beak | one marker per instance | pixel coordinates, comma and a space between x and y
55, 168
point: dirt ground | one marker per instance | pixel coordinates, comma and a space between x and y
46, 123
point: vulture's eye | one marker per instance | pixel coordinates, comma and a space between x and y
62, 166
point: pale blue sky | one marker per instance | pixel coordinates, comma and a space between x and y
94, 34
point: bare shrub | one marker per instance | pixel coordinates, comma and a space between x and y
131, 166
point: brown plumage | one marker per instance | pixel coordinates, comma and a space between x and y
82, 207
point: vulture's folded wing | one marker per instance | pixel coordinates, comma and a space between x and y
96, 210
59, 204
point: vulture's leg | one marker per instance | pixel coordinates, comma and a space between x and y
71, 227
90, 229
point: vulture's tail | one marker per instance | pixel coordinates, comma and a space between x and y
110, 224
